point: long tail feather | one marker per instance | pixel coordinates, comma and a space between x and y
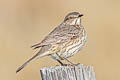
36, 46
20, 68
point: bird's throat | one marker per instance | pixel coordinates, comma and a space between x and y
74, 21
78, 21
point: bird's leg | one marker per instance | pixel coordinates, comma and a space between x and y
64, 59
60, 62
69, 61
72, 64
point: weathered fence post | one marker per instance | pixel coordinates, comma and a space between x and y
77, 72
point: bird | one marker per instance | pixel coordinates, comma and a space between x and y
64, 41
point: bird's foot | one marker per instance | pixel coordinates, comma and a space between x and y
70, 64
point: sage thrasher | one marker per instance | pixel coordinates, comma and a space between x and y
63, 42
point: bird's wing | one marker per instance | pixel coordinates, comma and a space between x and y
60, 34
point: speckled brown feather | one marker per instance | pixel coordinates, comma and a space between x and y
69, 35
61, 34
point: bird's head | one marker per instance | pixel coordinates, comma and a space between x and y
73, 18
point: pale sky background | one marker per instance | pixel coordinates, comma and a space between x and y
26, 22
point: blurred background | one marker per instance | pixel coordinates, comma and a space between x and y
26, 22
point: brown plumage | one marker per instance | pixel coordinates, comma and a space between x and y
63, 42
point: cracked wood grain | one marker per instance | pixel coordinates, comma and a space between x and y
77, 72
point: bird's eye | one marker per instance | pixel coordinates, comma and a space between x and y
70, 17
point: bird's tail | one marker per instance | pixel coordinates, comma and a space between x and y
20, 68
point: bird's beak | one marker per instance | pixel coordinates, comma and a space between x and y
80, 15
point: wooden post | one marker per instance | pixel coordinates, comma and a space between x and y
77, 72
